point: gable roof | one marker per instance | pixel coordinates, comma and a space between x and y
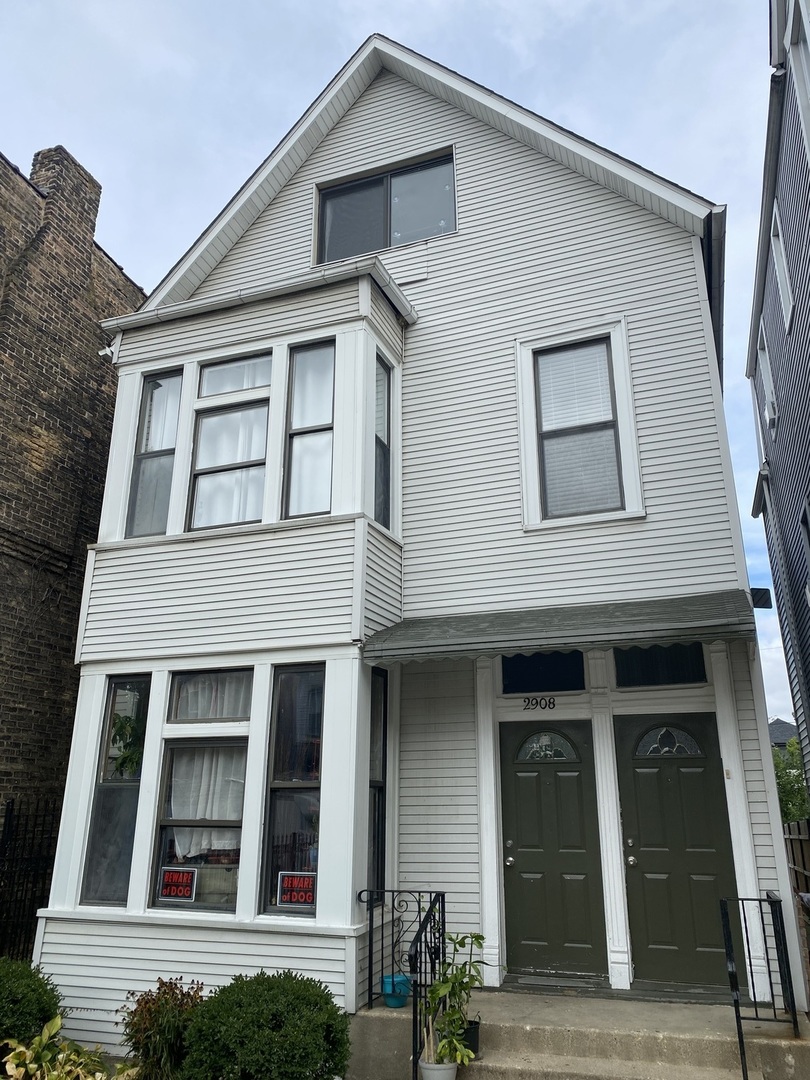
691, 212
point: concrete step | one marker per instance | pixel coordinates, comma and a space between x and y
550, 1036
530, 1066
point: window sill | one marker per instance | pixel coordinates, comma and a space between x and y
585, 519
288, 924
377, 252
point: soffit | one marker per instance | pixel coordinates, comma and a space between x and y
702, 617
660, 196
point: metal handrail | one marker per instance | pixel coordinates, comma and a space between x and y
426, 956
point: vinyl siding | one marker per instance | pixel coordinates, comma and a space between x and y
383, 605
438, 811
787, 449
96, 963
234, 325
385, 320
583, 254
251, 590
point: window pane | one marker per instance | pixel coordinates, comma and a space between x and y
213, 871
151, 488
294, 817
225, 438
379, 702
310, 473
222, 498
159, 411
660, 665
205, 783
313, 375
212, 695
543, 673
581, 473
382, 402
235, 375
422, 203
112, 825
297, 719
382, 483
353, 220
574, 386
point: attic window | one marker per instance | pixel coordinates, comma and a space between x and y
394, 208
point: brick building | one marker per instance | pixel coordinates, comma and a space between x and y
56, 402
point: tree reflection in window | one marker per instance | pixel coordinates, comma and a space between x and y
667, 742
547, 746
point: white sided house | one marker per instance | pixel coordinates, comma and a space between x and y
419, 567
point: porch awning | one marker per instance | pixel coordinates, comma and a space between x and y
701, 617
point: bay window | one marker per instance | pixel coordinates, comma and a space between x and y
293, 800
115, 802
202, 792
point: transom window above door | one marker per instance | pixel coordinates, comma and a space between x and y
387, 210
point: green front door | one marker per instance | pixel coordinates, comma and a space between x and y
677, 845
552, 873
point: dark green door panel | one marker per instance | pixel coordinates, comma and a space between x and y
553, 890
675, 826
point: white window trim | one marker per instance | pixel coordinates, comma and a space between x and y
616, 330
798, 52
780, 263
770, 412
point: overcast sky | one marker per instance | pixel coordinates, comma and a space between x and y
171, 104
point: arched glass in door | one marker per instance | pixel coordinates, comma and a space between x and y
546, 746
667, 742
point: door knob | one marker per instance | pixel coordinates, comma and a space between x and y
510, 861
632, 860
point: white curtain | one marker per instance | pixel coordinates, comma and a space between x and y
217, 695
207, 784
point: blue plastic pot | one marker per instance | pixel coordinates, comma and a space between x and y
395, 990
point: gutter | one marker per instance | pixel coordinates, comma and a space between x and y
314, 279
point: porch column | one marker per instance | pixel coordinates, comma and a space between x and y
617, 926
494, 953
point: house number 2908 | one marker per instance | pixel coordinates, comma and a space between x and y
539, 703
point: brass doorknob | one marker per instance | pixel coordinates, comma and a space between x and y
510, 861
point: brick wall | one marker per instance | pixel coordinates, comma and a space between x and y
56, 402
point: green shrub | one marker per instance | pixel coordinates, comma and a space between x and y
28, 1000
794, 802
155, 1026
268, 1027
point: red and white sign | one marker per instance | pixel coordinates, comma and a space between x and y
296, 888
178, 883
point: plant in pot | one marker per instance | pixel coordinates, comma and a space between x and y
448, 1029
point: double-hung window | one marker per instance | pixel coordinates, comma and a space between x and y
387, 210
578, 446
781, 267
200, 826
153, 466
230, 443
382, 443
309, 448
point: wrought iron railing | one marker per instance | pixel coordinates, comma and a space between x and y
766, 963
406, 935
27, 846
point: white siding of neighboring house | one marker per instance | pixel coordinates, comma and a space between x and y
438, 798
95, 963
283, 587
583, 254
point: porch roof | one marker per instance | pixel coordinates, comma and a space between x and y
700, 617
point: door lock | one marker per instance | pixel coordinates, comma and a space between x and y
632, 860
510, 861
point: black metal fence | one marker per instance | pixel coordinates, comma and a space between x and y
765, 966
406, 947
27, 848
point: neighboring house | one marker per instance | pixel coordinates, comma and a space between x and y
781, 732
419, 565
57, 393
779, 344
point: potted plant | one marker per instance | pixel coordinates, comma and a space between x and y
451, 1037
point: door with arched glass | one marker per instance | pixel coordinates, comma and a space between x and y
552, 874
677, 845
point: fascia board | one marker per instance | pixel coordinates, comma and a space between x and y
313, 279
654, 193
769, 172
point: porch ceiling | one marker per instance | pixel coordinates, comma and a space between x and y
701, 617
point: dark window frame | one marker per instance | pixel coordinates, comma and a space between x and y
201, 414
139, 456
382, 450
384, 177
557, 434
378, 795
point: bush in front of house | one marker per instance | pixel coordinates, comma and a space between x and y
267, 1027
154, 1027
28, 1000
